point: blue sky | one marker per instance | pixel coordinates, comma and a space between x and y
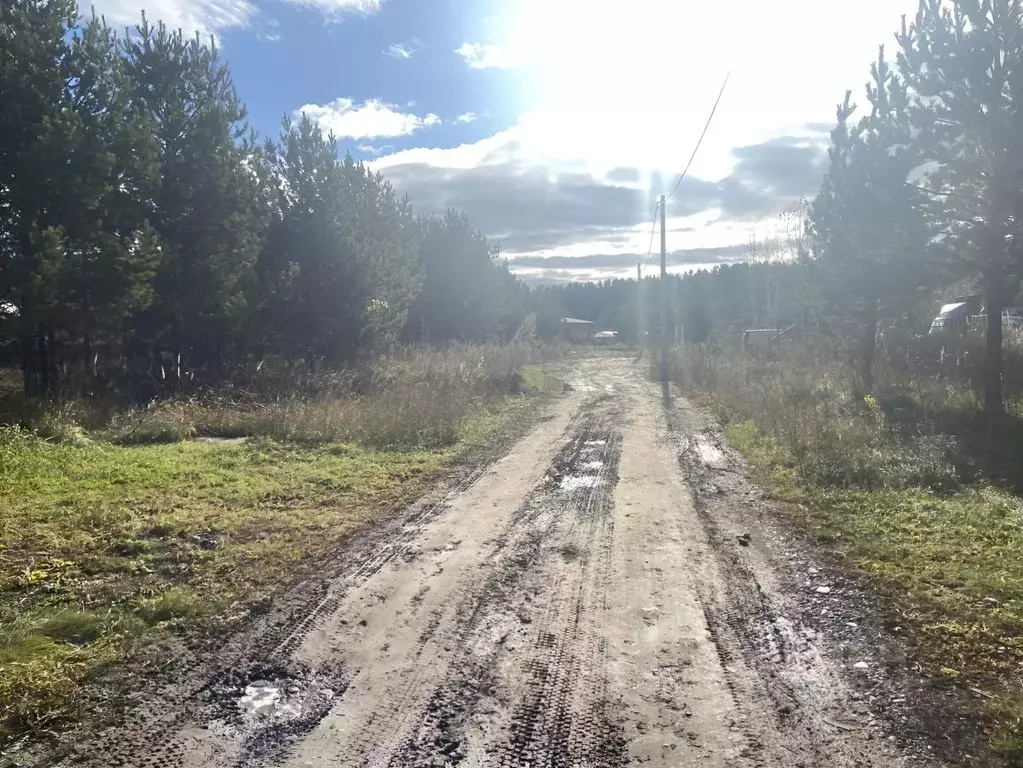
555, 123
293, 56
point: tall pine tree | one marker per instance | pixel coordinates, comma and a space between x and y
867, 232
963, 61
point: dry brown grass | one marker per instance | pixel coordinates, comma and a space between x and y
414, 397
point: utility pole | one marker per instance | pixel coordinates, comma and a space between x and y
640, 341
664, 298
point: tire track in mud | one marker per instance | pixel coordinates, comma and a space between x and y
421, 702
543, 704
783, 689
743, 625
563, 719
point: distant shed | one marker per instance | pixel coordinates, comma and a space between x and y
575, 329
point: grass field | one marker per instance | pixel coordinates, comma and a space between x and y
913, 507
106, 540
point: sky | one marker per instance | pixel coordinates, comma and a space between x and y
556, 124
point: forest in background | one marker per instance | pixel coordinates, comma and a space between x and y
149, 242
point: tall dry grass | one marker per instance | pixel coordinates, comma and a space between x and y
801, 394
414, 397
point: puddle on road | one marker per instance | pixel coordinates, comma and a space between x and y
573, 482
260, 699
262, 709
282, 699
709, 453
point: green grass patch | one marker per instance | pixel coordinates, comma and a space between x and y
106, 539
101, 543
954, 560
537, 379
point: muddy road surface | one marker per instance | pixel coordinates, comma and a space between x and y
608, 593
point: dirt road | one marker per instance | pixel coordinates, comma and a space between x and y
606, 594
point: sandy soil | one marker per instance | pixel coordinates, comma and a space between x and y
606, 594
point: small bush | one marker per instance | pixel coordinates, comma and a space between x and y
155, 432
175, 603
74, 627
60, 431
159, 423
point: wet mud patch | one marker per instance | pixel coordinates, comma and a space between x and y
793, 628
528, 686
265, 708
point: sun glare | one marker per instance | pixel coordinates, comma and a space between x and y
644, 73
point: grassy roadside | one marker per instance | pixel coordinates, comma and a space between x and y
106, 542
947, 549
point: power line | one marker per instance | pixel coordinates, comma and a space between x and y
698, 143
706, 126
653, 229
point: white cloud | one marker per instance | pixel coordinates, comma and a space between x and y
596, 118
206, 16
466, 117
588, 75
399, 51
369, 120
487, 56
342, 6
549, 185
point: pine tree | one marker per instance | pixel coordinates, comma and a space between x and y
35, 130
306, 267
382, 232
111, 251
963, 63
204, 204
462, 293
868, 235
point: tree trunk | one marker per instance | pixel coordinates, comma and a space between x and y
28, 368
27, 347
868, 351
42, 363
28, 321
993, 369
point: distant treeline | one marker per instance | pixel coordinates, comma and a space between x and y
702, 306
149, 242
